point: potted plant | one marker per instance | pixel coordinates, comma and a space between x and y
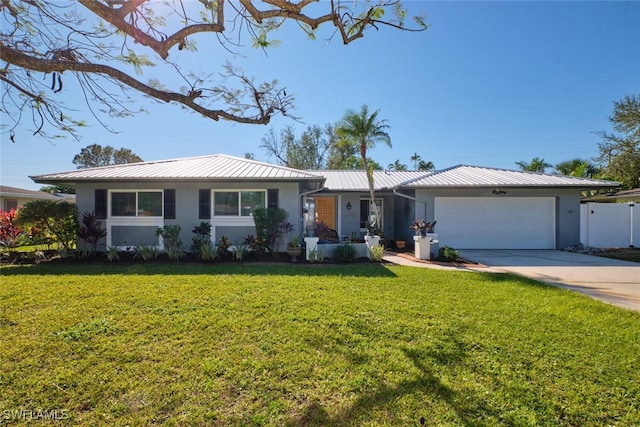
321, 231
294, 249
401, 243
423, 227
423, 238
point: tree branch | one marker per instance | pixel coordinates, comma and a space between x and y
23, 60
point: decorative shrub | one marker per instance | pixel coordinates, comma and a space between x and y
171, 240
344, 253
271, 225
254, 245
56, 219
208, 252
91, 230
201, 239
376, 253
147, 252
316, 255
222, 247
448, 254
9, 229
113, 254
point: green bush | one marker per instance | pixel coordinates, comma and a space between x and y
171, 240
91, 230
376, 253
448, 254
345, 253
271, 226
56, 219
147, 252
208, 252
201, 238
113, 254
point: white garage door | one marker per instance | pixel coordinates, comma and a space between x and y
496, 222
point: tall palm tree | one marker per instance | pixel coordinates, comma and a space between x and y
364, 130
537, 165
415, 159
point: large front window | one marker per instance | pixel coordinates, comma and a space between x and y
238, 203
136, 203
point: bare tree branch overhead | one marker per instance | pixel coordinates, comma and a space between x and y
103, 48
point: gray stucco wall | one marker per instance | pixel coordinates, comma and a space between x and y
187, 199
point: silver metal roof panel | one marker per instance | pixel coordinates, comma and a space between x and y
219, 166
356, 180
475, 176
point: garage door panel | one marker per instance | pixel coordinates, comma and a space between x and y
496, 223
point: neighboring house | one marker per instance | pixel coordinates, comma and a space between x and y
475, 207
624, 196
15, 198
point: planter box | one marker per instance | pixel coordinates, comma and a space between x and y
427, 247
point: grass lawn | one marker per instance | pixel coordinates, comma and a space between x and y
311, 345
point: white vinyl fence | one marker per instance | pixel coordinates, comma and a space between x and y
609, 225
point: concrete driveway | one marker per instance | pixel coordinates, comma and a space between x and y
609, 280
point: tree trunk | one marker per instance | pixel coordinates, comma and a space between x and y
365, 162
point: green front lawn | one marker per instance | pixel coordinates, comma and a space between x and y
311, 345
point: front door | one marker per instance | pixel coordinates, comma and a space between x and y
326, 211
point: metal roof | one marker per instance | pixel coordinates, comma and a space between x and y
218, 166
476, 176
223, 167
6, 191
356, 180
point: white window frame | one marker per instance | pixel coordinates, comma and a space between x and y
239, 191
135, 217
151, 221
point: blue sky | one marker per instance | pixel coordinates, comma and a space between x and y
489, 84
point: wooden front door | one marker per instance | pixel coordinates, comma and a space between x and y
326, 211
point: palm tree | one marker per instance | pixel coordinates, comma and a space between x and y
426, 166
537, 165
577, 167
363, 130
415, 159
397, 166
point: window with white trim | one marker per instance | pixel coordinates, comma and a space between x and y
238, 203
136, 203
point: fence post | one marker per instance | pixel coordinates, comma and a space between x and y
631, 205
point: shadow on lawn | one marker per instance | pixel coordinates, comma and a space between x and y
249, 268
426, 386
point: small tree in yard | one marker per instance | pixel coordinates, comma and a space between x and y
59, 219
271, 226
9, 229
